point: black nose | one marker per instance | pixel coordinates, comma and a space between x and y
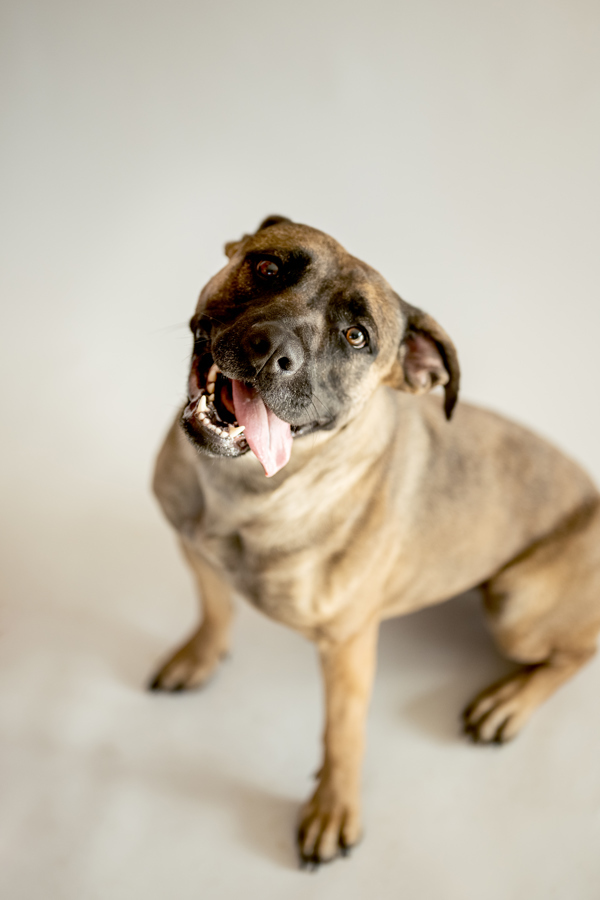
274, 349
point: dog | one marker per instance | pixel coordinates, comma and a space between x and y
311, 472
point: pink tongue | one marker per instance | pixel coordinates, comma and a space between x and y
269, 438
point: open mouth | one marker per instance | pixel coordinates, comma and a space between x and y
225, 417
211, 403
229, 417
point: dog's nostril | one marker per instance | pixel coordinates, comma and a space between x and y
284, 363
261, 345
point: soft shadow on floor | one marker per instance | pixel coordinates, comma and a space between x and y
449, 644
112, 577
264, 821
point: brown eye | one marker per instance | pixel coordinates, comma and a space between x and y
266, 268
356, 337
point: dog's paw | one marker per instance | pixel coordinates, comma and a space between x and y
497, 714
329, 826
190, 667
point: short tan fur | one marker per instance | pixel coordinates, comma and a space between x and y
393, 507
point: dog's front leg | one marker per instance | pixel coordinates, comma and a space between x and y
330, 820
195, 661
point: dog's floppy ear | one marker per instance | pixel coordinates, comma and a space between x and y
231, 247
426, 357
272, 220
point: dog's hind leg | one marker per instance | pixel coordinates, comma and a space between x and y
500, 712
196, 660
544, 611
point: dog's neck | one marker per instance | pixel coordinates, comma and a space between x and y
366, 436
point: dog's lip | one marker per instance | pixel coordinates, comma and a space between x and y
201, 366
201, 415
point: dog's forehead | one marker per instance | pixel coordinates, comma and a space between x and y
289, 237
327, 257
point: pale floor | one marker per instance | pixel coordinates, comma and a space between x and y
453, 146
114, 793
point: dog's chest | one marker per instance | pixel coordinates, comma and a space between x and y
279, 548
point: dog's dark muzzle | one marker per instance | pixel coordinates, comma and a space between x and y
268, 352
250, 388
271, 348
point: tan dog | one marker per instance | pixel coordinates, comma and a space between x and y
304, 366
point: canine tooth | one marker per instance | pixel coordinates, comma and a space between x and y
202, 405
210, 387
236, 429
212, 373
211, 397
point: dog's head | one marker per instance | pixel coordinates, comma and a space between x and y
293, 336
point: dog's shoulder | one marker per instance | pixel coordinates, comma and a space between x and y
175, 482
482, 447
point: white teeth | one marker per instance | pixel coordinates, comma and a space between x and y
236, 429
202, 405
212, 375
211, 396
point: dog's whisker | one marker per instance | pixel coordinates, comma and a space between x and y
316, 412
325, 407
168, 328
205, 315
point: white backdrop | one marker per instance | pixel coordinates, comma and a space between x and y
452, 145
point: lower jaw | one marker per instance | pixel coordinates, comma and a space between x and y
209, 432
205, 426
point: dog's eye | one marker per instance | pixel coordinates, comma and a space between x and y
356, 337
266, 268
